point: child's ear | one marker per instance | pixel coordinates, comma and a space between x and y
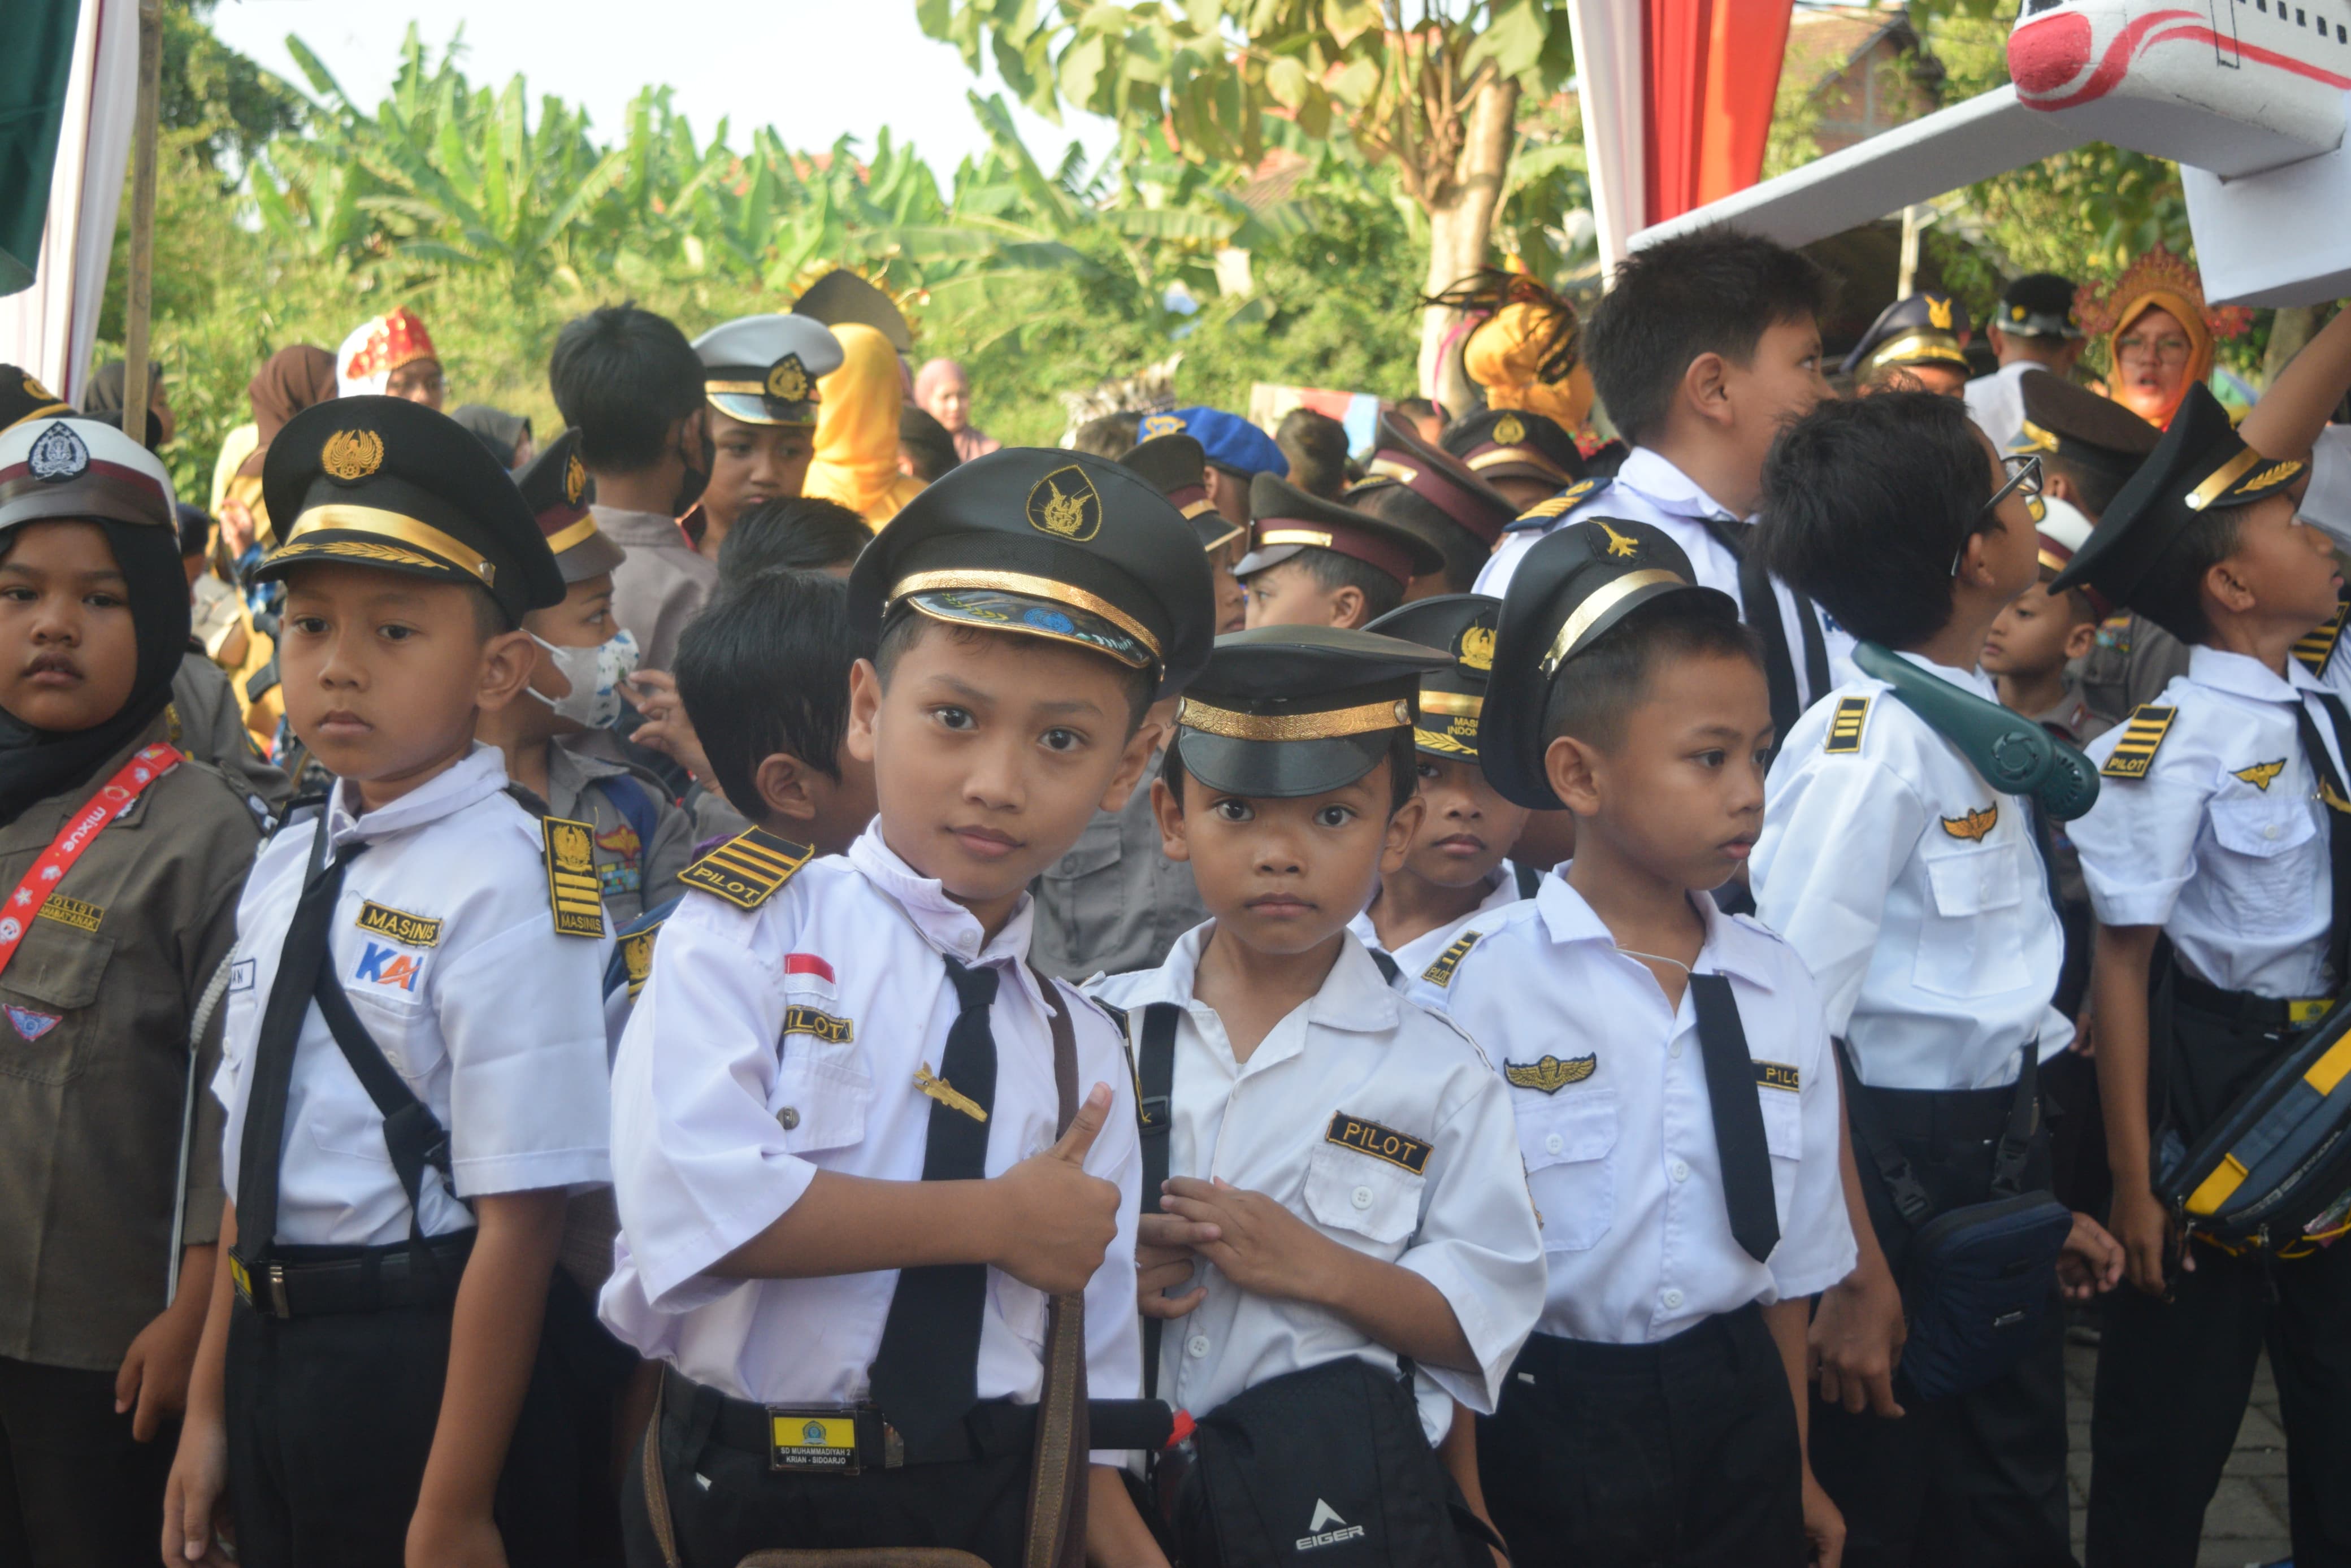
1404, 827
1572, 767
785, 786
2222, 587
865, 710
2081, 639
1706, 388
1347, 606
507, 660
1168, 812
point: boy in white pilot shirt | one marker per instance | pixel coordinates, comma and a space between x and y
1671, 1075
413, 1060
1915, 891
1455, 874
1344, 1199
2222, 810
844, 1194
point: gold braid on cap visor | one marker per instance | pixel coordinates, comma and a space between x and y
1326, 725
1572, 632
571, 535
2222, 479
445, 551
1045, 588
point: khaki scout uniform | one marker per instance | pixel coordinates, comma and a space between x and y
662, 585
209, 727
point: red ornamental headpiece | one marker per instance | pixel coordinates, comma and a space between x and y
380, 347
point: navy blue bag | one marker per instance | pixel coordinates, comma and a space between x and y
1981, 1280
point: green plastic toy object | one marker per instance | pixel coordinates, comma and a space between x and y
2016, 755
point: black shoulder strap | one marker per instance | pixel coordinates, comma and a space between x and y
1385, 964
2015, 1148
1878, 1146
1530, 878
412, 1135
1155, 1073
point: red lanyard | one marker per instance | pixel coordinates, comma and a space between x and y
119, 794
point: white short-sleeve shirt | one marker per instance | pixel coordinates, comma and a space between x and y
1915, 891
446, 944
769, 1044
1384, 1128
2223, 842
1615, 1123
1413, 957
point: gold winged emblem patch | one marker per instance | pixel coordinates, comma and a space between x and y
1551, 1074
2260, 774
1973, 825
1065, 504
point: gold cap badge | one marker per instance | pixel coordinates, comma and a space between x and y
351, 455
1065, 504
1509, 430
1476, 649
787, 379
1938, 312
575, 480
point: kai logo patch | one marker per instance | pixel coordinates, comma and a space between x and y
1401, 1150
1972, 825
2261, 774
1778, 1075
70, 912
388, 968
1619, 546
2142, 737
1065, 504
573, 888
1551, 1074
351, 456
1510, 430
1440, 973
637, 958
1845, 726
787, 379
808, 1020
415, 930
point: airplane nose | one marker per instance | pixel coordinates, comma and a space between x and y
2049, 53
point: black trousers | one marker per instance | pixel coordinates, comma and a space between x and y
1677, 1455
74, 1490
330, 1420
2174, 1377
1975, 1481
726, 1503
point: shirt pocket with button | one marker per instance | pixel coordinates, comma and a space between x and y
819, 1098
1783, 1136
1363, 1195
1971, 933
1569, 1144
50, 991
2270, 865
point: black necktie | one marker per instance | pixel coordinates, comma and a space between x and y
926, 1376
1759, 607
2338, 822
1738, 1104
263, 1146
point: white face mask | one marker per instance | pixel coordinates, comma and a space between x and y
595, 673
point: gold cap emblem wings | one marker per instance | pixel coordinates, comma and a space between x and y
1476, 651
1065, 504
351, 455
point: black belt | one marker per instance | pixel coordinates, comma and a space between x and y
314, 1281
1724, 1336
2244, 1006
847, 1439
1946, 1115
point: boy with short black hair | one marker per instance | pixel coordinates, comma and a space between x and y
1316, 446
412, 1033
2216, 866
1314, 562
1671, 1076
2032, 647
802, 533
1913, 888
851, 1160
1703, 347
632, 385
1345, 1229
1454, 871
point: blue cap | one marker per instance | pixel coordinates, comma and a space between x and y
1227, 440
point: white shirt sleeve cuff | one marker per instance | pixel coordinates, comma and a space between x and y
666, 1269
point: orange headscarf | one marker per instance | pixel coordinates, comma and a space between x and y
2159, 280
856, 461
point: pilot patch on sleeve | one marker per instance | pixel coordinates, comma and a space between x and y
1399, 1149
748, 869
1845, 726
803, 1020
2135, 753
1440, 973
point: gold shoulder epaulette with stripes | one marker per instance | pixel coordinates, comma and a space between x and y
2317, 646
1440, 973
637, 956
1845, 726
746, 870
2135, 753
572, 886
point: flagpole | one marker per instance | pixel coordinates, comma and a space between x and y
139, 292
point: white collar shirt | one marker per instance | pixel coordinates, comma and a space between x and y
1356, 1053
1622, 1161
1413, 957
1996, 402
2224, 842
1649, 489
1915, 891
772, 1043
491, 1017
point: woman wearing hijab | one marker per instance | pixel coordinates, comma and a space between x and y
2160, 333
943, 390
102, 400
125, 862
856, 461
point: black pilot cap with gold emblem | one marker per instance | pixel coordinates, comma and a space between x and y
558, 492
1286, 711
1452, 699
1576, 584
383, 481
2076, 426
1042, 543
1511, 443
23, 398
2199, 465
1289, 520
1178, 466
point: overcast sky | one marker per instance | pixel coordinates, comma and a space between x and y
812, 69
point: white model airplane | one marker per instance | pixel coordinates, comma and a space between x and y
2247, 95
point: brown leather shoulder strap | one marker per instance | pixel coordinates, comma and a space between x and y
1057, 1479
